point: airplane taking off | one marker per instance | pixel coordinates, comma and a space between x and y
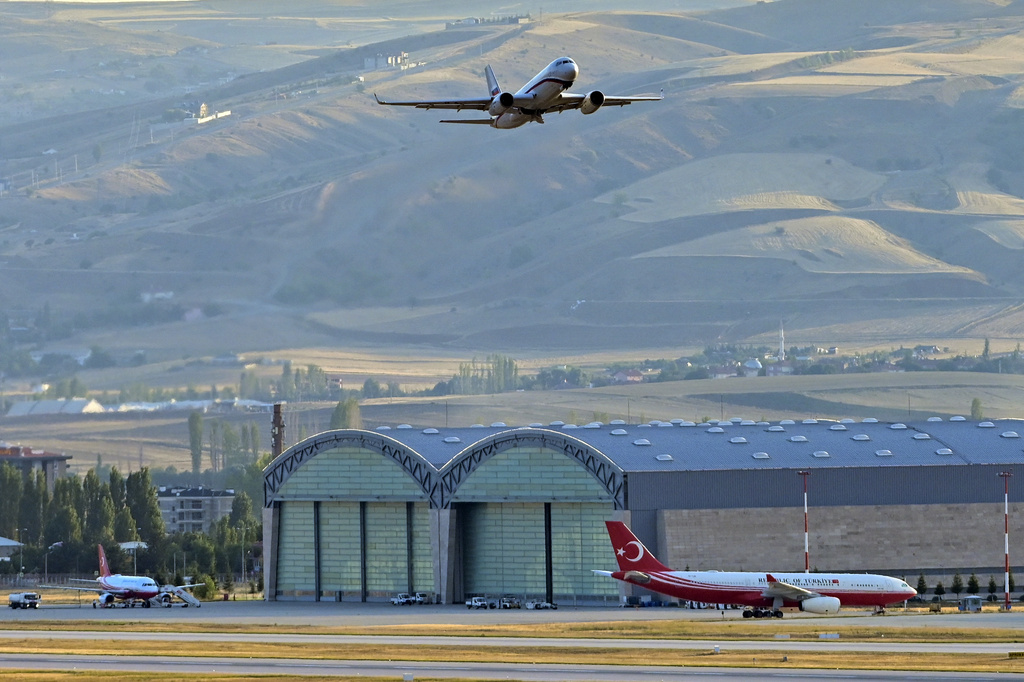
545, 93
764, 593
128, 588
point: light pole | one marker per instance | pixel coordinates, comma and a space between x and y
1005, 475
21, 560
807, 554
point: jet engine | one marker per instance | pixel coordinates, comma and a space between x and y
501, 104
820, 605
592, 102
637, 577
107, 599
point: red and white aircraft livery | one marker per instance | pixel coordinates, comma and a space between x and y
112, 587
765, 593
546, 92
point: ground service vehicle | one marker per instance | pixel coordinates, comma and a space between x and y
24, 600
510, 602
403, 599
480, 603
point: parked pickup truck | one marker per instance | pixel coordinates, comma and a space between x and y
480, 603
403, 599
24, 600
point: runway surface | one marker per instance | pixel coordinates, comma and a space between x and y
780, 645
505, 671
354, 614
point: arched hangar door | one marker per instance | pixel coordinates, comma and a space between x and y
340, 540
531, 523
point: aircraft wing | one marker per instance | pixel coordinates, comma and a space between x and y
786, 591
96, 589
570, 100
457, 104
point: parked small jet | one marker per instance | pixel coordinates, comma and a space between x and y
130, 589
764, 593
545, 93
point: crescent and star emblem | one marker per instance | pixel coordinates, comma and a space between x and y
639, 551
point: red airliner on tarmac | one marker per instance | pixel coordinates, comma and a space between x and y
765, 593
111, 587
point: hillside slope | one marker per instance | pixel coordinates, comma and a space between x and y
855, 172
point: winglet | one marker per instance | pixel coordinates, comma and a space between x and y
771, 578
104, 567
379, 100
629, 551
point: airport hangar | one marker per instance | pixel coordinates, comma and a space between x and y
358, 515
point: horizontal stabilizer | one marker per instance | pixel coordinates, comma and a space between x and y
473, 121
606, 574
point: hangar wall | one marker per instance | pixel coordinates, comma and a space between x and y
891, 540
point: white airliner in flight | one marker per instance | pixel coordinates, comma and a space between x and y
765, 593
545, 93
129, 588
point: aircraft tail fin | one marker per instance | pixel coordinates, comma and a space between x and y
104, 567
492, 83
629, 551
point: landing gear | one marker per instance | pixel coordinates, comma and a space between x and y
762, 613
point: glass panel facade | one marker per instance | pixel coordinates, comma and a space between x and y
579, 544
422, 558
503, 547
530, 474
387, 569
350, 472
339, 550
295, 561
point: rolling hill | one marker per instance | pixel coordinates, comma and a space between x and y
851, 167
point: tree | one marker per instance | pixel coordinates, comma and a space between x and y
371, 388
231, 445
972, 585
195, 440
984, 353
124, 526
939, 590
97, 152
922, 585
241, 512
976, 412
10, 500
116, 489
346, 415
992, 587
957, 585
142, 502
254, 441
213, 436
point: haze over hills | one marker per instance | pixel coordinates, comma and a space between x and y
852, 167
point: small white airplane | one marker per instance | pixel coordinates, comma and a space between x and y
765, 593
545, 93
130, 589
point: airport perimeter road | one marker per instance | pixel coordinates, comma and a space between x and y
505, 671
533, 642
